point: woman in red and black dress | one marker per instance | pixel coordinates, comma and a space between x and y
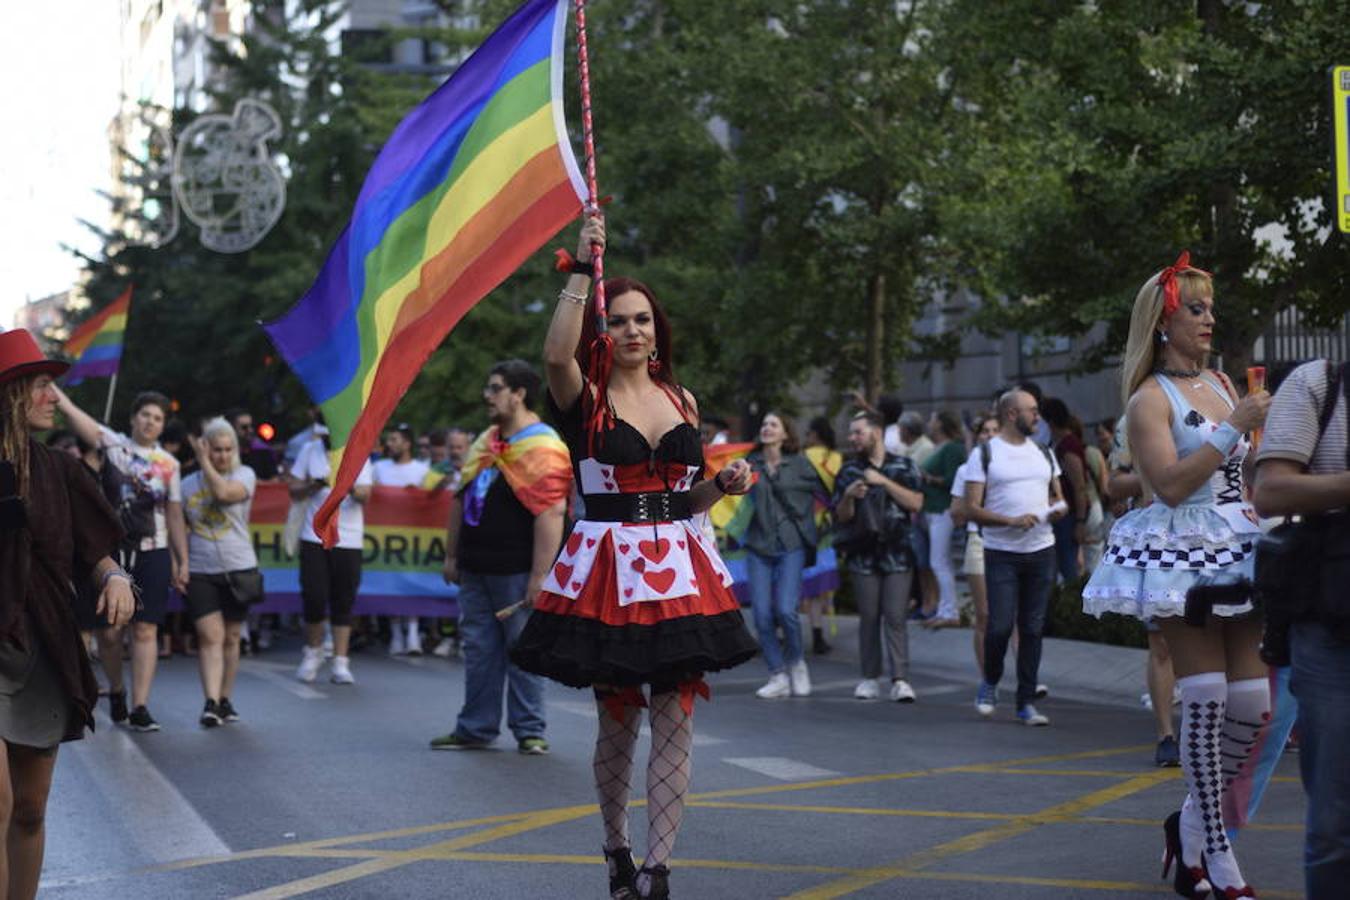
638, 596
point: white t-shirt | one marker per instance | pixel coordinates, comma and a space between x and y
155, 469
890, 437
1018, 483
959, 491
312, 463
218, 536
389, 473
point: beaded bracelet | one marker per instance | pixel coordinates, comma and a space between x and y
117, 572
572, 297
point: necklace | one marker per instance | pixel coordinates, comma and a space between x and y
1178, 373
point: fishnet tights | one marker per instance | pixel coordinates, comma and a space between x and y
613, 766
668, 770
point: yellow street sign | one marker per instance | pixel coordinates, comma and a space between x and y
1340, 130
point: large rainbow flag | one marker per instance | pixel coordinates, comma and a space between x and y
471, 183
96, 346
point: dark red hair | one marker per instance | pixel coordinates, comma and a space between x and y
614, 288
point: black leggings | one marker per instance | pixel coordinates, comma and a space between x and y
328, 583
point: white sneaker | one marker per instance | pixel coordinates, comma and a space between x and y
264, 638
414, 642
800, 679
396, 645
445, 649
327, 641
776, 687
901, 692
310, 664
867, 689
342, 673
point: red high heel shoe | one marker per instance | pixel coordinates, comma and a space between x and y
1189, 881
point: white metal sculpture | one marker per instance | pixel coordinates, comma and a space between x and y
224, 177
153, 222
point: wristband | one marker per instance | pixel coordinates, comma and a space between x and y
1224, 439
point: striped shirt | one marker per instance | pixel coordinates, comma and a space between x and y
1291, 425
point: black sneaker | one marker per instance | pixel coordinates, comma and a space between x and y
141, 720
225, 709
117, 706
210, 715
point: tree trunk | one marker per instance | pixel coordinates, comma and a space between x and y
876, 333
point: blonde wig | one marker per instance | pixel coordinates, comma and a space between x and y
1144, 343
218, 427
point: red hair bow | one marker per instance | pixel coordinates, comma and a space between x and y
1171, 291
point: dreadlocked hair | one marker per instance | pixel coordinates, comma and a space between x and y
14, 399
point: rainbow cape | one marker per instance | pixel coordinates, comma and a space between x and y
534, 461
96, 346
471, 183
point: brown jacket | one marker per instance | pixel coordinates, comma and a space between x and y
70, 528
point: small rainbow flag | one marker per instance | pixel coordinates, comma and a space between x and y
471, 183
96, 346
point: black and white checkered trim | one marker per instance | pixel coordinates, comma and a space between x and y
1182, 558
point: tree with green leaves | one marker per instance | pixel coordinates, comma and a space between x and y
1095, 141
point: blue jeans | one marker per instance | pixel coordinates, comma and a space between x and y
1066, 547
775, 591
1320, 679
487, 667
1019, 591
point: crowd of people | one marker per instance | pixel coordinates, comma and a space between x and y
579, 540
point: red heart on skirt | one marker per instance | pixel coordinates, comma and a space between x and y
639, 564
576, 585
628, 592
624, 548
654, 550
590, 542
660, 580
562, 573
573, 543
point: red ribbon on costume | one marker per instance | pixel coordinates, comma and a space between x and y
617, 701
1167, 280
687, 691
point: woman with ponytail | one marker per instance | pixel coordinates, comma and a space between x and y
1188, 432
638, 596
56, 531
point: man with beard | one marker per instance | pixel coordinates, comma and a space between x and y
506, 525
1012, 490
875, 494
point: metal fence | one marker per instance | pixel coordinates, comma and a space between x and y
1289, 339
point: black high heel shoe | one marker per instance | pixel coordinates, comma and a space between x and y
622, 873
1189, 881
660, 883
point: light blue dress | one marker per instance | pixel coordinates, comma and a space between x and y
1155, 554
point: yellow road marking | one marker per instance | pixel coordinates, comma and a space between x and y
980, 839
394, 859
375, 861
853, 810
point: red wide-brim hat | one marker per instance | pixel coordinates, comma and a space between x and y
20, 356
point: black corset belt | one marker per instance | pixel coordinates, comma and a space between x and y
656, 506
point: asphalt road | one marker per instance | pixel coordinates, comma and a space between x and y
329, 791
